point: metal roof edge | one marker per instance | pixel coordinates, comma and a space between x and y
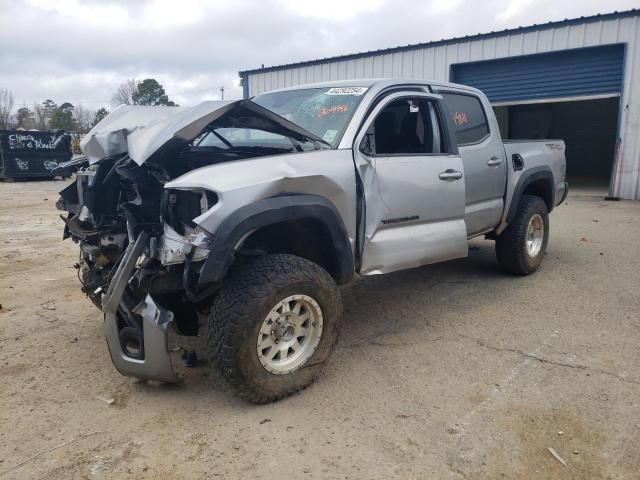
508, 31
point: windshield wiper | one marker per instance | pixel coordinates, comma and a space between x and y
222, 139
296, 144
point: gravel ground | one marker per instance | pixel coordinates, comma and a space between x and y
449, 371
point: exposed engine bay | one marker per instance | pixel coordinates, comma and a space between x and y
141, 253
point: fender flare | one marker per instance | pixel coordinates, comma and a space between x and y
526, 179
270, 211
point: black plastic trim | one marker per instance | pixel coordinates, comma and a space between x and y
526, 179
271, 211
564, 195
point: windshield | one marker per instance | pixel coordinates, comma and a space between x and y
324, 112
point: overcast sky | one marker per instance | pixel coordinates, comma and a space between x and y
80, 51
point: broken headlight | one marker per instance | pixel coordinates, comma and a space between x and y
180, 207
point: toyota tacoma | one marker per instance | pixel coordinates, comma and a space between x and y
238, 220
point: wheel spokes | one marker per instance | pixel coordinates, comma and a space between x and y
289, 334
301, 319
284, 352
295, 345
297, 306
273, 352
534, 236
266, 328
266, 340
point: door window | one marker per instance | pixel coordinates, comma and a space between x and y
467, 116
404, 127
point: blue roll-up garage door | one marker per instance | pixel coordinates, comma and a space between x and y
568, 73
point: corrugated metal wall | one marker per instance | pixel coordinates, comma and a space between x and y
435, 61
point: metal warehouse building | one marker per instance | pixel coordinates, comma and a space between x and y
576, 79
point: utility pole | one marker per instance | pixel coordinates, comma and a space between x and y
222, 92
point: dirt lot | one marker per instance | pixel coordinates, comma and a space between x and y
450, 371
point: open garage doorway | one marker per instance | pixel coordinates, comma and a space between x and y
588, 127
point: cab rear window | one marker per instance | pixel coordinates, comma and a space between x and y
467, 116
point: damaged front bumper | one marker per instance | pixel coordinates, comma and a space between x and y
156, 363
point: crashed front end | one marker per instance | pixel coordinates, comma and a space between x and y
141, 253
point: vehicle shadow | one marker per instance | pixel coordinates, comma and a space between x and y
409, 299
405, 301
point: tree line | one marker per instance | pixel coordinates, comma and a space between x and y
48, 115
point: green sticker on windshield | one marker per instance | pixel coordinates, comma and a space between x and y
329, 135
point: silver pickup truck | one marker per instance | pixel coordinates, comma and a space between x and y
238, 220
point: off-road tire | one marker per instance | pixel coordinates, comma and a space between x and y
252, 288
511, 250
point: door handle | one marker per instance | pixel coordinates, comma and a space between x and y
493, 161
450, 174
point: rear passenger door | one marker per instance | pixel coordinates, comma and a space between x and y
412, 183
483, 156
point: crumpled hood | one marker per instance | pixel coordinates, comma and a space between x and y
144, 132
137, 129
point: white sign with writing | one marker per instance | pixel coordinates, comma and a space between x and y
355, 91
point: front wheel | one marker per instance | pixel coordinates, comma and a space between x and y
273, 326
522, 246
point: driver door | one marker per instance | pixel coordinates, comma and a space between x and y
413, 189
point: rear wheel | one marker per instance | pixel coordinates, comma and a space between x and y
522, 246
273, 326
